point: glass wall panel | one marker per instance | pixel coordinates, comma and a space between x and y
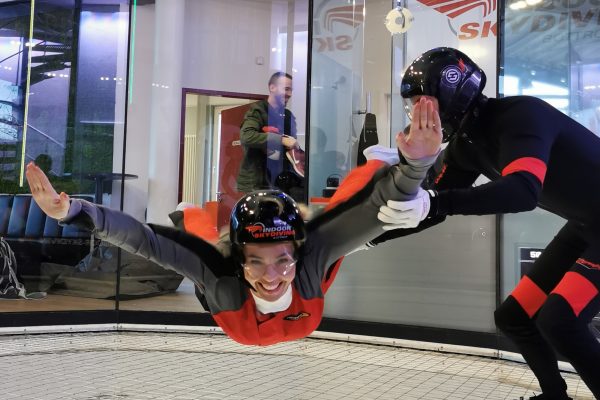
442, 277
196, 68
341, 92
60, 91
551, 51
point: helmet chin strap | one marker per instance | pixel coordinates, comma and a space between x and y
451, 122
453, 125
463, 126
448, 130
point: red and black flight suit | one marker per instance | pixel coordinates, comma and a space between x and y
330, 236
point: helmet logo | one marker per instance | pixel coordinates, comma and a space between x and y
451, 75
259, 231
255, 228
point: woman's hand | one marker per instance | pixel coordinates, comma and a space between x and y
425, 136
54, 205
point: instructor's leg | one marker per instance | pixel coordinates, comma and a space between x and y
515, 317
566, 316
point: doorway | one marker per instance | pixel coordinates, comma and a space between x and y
210, 150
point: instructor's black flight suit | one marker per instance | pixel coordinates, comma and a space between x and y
534, 155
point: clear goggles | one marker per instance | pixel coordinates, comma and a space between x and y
283, 266
408, 107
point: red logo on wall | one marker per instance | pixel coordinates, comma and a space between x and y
455, 8
336, 25
346, 15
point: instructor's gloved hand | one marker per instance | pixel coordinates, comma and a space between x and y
405, 214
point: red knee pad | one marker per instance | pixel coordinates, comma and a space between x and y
576, 290
529, 296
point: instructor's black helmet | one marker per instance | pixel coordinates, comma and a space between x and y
451, 77
266, 216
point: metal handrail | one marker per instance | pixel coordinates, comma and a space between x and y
20, 51
46, 136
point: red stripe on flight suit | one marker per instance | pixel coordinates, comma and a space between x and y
355, 181
529, 296
330, 275
576, 290
532, 165
588, 264
441, 174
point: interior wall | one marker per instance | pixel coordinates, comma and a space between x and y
139, 106
165, 114
226, 45
223, 39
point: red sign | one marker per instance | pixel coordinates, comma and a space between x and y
469, 30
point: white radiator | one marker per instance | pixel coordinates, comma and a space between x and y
190, 170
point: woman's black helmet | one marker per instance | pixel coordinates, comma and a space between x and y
266, 216
451, 77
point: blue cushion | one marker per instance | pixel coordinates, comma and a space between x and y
5, 207
70, 231
18, 216
21, 217
51, 228
34, 228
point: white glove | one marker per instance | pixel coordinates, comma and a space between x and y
405, 214
378, 152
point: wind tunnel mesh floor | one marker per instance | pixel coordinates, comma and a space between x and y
132, 366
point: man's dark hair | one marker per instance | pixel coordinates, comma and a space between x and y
44, 161
277, 75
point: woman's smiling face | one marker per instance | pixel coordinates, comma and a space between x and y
269, 268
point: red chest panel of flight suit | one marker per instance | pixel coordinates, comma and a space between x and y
301, 318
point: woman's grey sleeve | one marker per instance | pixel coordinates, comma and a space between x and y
354, 222
126, 232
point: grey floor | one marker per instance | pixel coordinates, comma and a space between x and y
132, 366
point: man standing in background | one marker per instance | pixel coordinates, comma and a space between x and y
268, 138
